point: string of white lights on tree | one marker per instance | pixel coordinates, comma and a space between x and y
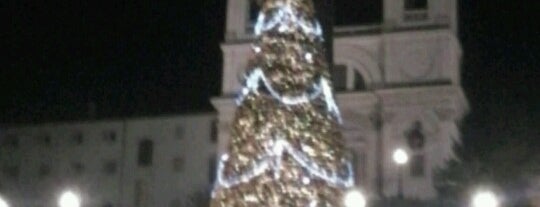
322, 88
273, 160
284, 13
286, 19
286, 148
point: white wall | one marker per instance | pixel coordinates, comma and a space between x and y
436, 107
32, 189
194, 146
163, 183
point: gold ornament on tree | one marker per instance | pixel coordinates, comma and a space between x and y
286, 148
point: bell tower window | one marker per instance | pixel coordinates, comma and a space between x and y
416, 5
416, 10
357, 12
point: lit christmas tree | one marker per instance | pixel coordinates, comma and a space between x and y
286, 147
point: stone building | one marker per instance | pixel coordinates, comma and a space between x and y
398, 86
139, 162
397, 81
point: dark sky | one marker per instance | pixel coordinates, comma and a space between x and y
135, 58
501, 72
128, 57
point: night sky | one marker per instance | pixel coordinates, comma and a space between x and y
132, 59
129, 57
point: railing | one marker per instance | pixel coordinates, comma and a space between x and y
340, 31
362, 29
415, 15
441, 82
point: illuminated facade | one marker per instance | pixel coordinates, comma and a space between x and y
397, 81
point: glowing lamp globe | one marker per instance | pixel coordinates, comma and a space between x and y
69, 199
485, 199
400, 157
355, 198
3, 203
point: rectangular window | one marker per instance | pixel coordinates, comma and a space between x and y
417, 165
110, 167
77, 167
77, 138
357, 12
44, 139
146, 153
339, 77
44, 170
178, 164
109, 136
416, 4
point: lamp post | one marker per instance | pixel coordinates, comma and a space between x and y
3, 202
69, 199
355, 198
400, 158
485, 199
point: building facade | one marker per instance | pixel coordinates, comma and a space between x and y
397, 83
142, 162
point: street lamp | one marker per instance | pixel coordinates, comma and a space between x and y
3, 202
485, 199
69, 199
400, 158
355, 198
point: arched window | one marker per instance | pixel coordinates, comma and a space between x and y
146, 150
347, 78
359, 83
